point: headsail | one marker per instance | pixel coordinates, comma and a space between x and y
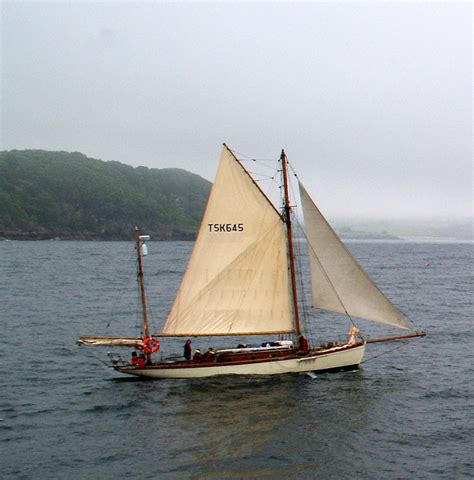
339, 283
237, 278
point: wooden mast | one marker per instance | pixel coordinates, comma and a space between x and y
291, 255
146, 330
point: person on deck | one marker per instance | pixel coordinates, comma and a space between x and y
210, 355
134, 361
187, 350
303, 343
141, 361
197, 355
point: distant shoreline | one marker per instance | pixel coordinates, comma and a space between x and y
369, 236
185, 236
37, 236
191, 238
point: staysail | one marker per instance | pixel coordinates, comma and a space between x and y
237, 279
339, 283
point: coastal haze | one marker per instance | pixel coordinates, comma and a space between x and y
372, 102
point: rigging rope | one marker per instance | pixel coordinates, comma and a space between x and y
302, 296
260, 163
391, 350
91, 353
123, 296
302, 301
249, 158
328, 279
264, 177
324, 270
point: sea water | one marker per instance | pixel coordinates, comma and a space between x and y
406, 413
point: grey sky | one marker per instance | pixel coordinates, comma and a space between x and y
371, 101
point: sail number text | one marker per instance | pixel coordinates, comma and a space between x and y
226, 227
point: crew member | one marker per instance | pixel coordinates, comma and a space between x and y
197, 355
141, 361
210, 355
303, 344
187, 350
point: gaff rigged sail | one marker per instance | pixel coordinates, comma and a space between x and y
237, 279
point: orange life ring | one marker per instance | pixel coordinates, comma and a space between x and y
151, 345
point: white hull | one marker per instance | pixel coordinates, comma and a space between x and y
332, 359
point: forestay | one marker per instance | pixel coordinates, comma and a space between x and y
339, 283
237, 278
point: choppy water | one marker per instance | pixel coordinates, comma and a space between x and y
407, 414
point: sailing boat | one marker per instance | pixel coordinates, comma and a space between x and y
241, 281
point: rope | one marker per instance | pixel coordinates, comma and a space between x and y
328, 279
388, 351
122, 297
263, 177
250, 158
90, 352
260, 163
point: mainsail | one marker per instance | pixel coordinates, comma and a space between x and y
339, 283
237, 279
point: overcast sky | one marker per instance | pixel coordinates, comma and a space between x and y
371, 101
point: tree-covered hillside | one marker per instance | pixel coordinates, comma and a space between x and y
68, 195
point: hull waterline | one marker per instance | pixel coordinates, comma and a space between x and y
338, 358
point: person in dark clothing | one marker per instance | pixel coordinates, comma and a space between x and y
187, 350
